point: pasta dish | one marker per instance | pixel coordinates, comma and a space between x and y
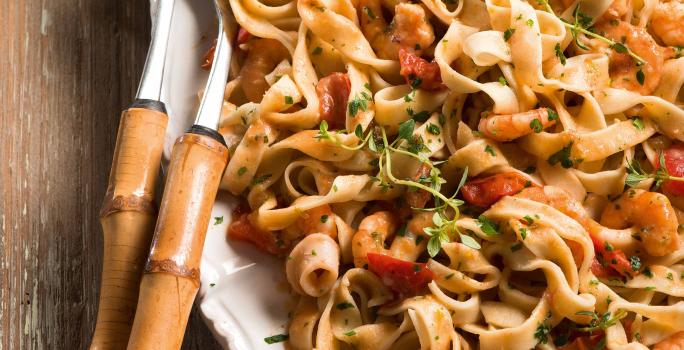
464, 174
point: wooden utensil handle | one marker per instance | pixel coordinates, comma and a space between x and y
171, 278
128, 216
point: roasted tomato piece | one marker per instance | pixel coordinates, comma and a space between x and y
486, 191
242, 229
333, 94
418, 72
611, 262
243, 36
208, 57
417, 198
585, 342
403, 277
674, 163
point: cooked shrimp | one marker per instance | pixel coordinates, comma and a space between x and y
373, 231
409, 28
406, 247
608, 262
623, 70
667, 22
315, 220
558, 199
318, 220
651, 213
507, 127
673, 342
263, 55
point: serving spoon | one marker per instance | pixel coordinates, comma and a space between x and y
171, 278
128, 212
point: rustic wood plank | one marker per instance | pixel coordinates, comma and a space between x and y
67, 69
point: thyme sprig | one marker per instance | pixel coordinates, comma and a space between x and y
446, 209
444, 224
324, 134
636, 174
581, 24
601, 322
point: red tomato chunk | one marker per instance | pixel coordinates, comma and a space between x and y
486, 191
333, 94
615, 262
242, 229
418, 72
418, 198
403, 277
674, 163
243, 36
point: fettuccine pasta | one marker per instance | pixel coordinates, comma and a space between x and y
464, 174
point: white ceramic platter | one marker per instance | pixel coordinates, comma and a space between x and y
239, 295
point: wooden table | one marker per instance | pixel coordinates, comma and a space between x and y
67, 69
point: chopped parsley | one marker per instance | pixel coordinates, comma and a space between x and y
433, 129
542, 333
508, 33
523, 233
528, 219
261, 179
317, 51
324, 219
359, 103
288, 100
490, 150
640, 77
350, 333
536, 126
278, 338
218, 220
638, 123
241, 171
529, 22
344, 305
369, 12
647, 272
562, 157
619, 48
552, 114
608, 247
503, 81
516, 247
560, 54
635, 262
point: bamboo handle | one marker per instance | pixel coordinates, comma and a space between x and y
171, 277
127, 217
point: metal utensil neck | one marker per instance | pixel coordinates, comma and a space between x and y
210, 108
153, 73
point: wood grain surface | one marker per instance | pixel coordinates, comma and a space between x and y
67, 69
